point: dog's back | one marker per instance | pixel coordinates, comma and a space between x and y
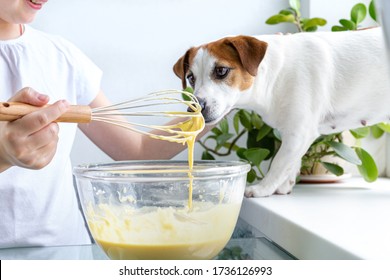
336, 73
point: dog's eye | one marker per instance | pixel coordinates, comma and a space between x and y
191, 79
221, 72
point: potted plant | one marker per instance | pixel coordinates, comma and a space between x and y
261, 141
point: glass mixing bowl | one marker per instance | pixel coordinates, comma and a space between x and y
147, 210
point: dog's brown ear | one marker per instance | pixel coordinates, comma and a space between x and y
182, 65
250, 50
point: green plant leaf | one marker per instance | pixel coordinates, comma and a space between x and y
311, 29
348, 24
257, 122
372, 10
368, 168
361, 132
216, 131
240, 153
263, 131
358, 13
287, 12
337, 28
186, 97
189, 89
251, 176
256, 155
245, 119
236, 122
384, 126
345, 152
295, 5
210, 137
236, 251
224, 125
333, 168
268, 143
376, 131
223, 138
313, 22
275, 19
207, 156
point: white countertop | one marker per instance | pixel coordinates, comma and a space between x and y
345, 220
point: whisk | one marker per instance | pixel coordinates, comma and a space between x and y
186, 122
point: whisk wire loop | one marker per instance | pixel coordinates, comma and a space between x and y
185, 123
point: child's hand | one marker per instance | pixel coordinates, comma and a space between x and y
31, 141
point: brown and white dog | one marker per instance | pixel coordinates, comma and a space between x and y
304, 85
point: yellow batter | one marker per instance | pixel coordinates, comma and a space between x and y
197, 232
163, 233
186, 132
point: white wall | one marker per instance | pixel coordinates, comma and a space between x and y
137, 42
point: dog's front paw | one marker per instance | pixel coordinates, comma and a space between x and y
263, 190
286, 187
258, 191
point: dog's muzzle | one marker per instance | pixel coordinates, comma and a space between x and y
202, 104
205, 111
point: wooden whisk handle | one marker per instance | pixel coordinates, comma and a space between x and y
10, 111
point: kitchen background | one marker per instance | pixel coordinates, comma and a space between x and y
137, 42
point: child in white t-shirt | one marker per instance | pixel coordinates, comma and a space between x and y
38, 204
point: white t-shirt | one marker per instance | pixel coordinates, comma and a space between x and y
40, 207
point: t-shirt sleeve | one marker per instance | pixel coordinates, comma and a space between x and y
87, 75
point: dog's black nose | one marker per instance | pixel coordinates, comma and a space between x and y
202, 104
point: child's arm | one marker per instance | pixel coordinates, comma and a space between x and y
30, 141
124, 144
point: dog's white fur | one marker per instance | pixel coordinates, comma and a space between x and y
306, 85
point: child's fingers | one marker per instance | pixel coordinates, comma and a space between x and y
46, 154
44, 137
37, 120
31, 141
30, 96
